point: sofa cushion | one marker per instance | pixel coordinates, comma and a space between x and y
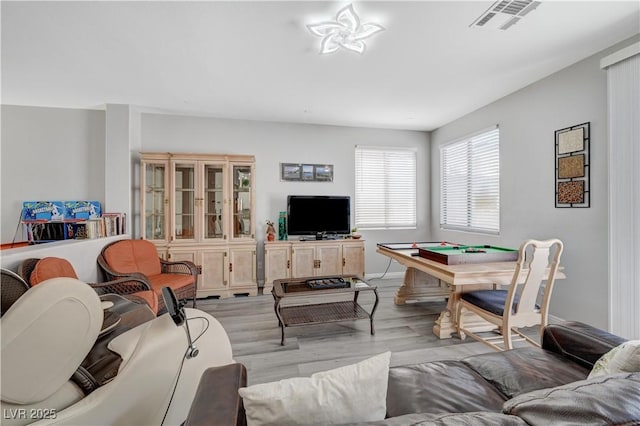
613, 399
175, 281
439, 387
621, 359
525, 369
128, 256
149, 297
354, 393
579, 342
480, 418
490, 300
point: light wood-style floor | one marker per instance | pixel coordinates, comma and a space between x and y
405, 330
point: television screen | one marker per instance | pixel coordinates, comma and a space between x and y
314, 214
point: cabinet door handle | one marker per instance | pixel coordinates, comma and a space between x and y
344, 261
230, 267
288, 264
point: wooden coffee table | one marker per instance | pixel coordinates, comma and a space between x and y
318, 312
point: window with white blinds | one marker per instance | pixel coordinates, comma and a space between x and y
385, 188
470, 183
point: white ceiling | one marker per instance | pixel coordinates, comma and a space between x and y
256, 60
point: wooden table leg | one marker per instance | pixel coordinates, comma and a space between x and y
373, 311
276, 307
447, 323
419, 285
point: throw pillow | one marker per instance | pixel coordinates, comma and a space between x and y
354, 393
624, 358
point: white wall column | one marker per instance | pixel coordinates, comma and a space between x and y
122, 134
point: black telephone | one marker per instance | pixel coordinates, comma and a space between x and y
176, 311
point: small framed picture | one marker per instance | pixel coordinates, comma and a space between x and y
307, 172
570, 141
324, 172
289, 171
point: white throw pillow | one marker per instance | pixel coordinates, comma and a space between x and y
621, 359
354, 393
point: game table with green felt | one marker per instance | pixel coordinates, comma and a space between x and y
426, 279
461, 254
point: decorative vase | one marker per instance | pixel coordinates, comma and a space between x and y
282, 226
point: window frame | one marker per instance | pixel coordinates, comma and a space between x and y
486, 175
399, 208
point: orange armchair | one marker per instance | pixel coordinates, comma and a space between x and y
34, 271
139, 259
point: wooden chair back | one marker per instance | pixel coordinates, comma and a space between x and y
540, 260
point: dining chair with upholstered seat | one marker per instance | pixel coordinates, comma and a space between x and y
139, 259
518, 306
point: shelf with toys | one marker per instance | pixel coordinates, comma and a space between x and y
47, 221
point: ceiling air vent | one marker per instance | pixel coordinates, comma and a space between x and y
505, 13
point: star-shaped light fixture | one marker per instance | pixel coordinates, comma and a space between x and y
346, 31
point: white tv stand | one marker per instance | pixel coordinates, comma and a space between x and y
299, 258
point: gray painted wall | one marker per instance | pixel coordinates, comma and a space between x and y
527, 120
275, 143
49, 154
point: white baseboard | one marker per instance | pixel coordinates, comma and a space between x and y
387, 276
555, 320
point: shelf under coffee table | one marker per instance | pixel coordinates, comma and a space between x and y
312, 312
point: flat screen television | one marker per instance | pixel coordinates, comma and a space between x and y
318, 215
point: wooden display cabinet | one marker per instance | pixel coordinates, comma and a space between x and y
200, 207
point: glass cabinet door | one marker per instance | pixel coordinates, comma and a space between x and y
184, 201
214, 201
155, 218
242, 225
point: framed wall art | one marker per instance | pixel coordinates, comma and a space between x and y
572, 166
306, 172
290, 171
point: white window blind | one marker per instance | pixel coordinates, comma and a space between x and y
385, 188
623, 93
470, 183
